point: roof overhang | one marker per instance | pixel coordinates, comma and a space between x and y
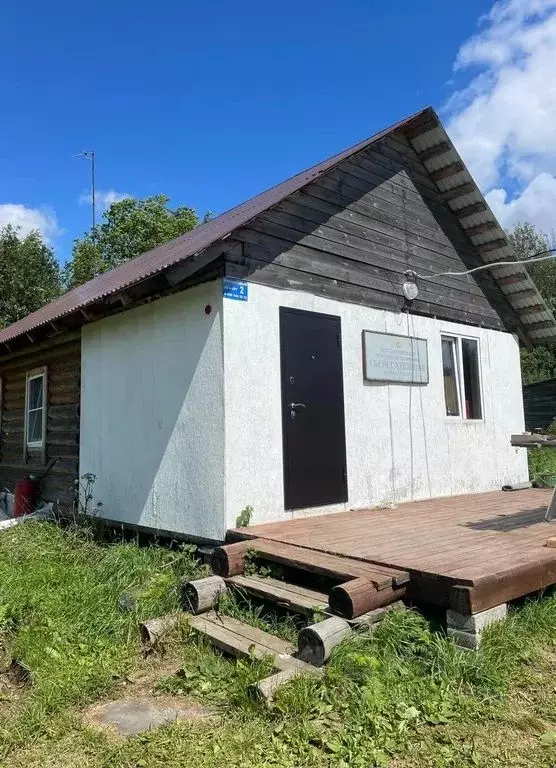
179, 259
441, 159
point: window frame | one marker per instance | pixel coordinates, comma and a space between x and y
35, 445
457, 338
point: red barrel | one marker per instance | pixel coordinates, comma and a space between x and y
25, 496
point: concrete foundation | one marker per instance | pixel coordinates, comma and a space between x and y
467, 629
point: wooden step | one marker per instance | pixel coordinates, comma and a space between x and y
291, 596
229, 560
242, 640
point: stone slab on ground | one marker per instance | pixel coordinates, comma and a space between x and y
128, 717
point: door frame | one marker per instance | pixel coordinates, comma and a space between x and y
283, 310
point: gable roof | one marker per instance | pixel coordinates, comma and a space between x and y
434, 147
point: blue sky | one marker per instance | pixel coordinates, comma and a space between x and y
212, 102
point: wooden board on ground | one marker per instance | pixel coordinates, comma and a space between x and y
285, 594
242, 640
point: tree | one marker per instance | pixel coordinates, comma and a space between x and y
29, 274
538, 363
130, 227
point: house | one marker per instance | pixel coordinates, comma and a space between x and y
540, 404
273, 358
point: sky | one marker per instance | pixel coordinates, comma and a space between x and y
210, 103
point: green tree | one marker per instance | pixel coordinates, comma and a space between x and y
538, 363
129, 228
29, 274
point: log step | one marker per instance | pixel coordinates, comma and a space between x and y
229, 560
359, 596
290, 596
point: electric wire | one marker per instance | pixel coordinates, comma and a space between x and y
536, 257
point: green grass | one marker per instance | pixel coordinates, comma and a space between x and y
542, 462
238, 605
403, 696
59, 610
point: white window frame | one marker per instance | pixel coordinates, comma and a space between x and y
457, 338
37, 373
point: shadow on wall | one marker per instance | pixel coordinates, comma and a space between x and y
152, 414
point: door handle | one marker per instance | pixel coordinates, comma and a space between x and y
293, 406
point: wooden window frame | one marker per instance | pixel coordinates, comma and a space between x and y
35, 447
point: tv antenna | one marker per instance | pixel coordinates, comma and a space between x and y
89, 154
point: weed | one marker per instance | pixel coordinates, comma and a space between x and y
245, 516
208, 675
238, 605
254, 567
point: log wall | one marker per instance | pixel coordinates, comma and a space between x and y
62, 361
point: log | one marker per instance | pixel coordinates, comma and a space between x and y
317, 642
201, 594
265, 689
359, 596
229, 560
551, 542
153, 630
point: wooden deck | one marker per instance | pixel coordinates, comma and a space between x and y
466, 552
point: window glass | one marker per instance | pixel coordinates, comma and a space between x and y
471, 379
35, 410
449, 365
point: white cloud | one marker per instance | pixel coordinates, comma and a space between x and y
103, 198
535, 203
29, 219
503, 121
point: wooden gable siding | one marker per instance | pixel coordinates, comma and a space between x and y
63, 372
352, 233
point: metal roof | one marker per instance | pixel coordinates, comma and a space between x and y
431, 142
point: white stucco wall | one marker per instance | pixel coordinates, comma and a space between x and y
400, 444
152, 413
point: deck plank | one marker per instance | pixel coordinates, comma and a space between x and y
474, 540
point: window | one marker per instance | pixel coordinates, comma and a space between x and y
462, 380
450, 370
35, 409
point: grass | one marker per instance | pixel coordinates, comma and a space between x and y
60, 616
403, 696
542, 464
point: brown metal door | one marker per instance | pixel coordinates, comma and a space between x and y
314, 443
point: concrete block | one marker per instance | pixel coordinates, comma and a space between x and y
467, 640
477, 622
